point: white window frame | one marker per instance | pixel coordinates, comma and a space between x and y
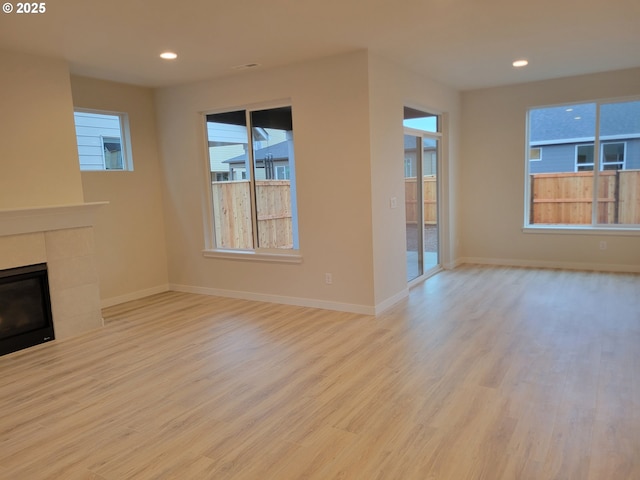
256, 254
623, 164
125, 141
594, 227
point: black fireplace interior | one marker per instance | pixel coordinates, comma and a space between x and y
25, 308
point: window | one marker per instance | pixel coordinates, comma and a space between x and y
535, 154
590, 173
282, 172
612, 155
420, 120
102, 139
253, 189
584, 158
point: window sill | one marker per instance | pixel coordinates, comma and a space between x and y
252, 255
583, 230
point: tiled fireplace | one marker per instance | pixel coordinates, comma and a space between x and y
61, 237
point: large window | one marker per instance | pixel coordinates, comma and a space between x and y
253, 190
584, 164
102, 139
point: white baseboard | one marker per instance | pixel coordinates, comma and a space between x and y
453, 264
510, 262
382, 306
262, 297
110, 302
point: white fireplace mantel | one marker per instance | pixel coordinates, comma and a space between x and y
43, 219
62, 237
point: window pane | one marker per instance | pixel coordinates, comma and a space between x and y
415, 266
112, 153
420, 120
230, 186
430, 200
561, 178
273, 160
584, 158
619, 182
100, 140
252, 167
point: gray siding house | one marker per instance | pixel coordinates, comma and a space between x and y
561, 139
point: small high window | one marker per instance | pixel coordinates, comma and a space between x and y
102, 139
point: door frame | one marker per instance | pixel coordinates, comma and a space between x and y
426, 273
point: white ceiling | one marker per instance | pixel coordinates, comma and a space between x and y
464, 43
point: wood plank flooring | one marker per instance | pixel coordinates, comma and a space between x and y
482, 373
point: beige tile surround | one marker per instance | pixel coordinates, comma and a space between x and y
73, 278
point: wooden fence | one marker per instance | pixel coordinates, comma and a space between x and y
430, 199
567, 198
232, 214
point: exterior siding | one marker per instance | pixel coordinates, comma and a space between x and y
555, 158
562, 158
90, 130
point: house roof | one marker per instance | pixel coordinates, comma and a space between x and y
572, 123
278, 151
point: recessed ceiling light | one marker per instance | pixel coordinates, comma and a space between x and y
520, 63
169, 55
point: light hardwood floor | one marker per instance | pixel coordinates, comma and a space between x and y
482, 373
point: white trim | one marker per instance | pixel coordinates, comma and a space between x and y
254, 255
603, 138
619, 230
389, 302
453, 264
110, 302
42, 219
416, 132
263, 297
510, 262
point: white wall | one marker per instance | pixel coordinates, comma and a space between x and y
391, 88
129, 231
331, 134
492, 174
39, 154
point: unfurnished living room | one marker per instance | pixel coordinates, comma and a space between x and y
342, 240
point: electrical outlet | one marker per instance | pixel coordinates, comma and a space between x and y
603, 245
328, 278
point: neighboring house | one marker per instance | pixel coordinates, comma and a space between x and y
429, 155
272, 162
227, 141
99, 141
228, 145
561, 139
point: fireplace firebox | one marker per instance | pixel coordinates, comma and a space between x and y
25, 308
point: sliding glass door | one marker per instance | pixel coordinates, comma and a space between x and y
412, 194
421, 164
